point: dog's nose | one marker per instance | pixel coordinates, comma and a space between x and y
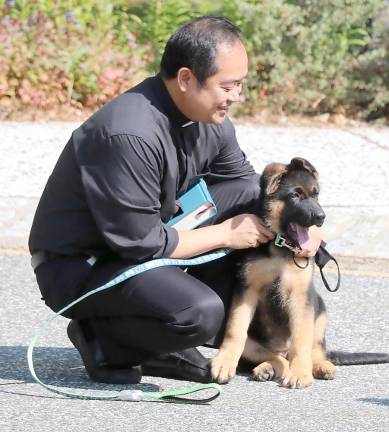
318, 218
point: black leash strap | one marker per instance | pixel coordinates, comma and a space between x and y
321, 259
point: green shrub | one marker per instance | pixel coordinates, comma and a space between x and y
51, 56
306, 56
313, 56
370, 77
161, 19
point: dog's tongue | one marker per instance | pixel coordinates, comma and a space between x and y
299, 234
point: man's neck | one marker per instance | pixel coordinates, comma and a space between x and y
175, 93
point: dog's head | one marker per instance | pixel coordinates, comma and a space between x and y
290, 199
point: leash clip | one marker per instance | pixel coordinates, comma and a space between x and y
282, 242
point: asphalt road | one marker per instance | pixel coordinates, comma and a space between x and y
357, 400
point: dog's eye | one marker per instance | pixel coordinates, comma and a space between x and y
295, 194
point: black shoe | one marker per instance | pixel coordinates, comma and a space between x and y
188, 365
94, 361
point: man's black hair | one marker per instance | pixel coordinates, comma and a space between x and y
194, 45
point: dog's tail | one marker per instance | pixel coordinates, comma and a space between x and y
341, 358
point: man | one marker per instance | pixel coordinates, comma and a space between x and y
114, 189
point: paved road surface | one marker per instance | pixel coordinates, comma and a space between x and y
354, 168
356, 401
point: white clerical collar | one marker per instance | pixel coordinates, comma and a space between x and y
187, 124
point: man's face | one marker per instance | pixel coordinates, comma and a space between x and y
210, 103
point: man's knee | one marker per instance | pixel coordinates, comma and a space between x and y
199, 322
234, 197
248, 192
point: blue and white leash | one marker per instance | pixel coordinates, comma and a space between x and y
132, 395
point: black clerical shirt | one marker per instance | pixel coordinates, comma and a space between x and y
116, 181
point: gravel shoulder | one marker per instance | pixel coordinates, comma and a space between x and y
352, 161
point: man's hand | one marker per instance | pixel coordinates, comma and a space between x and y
246, 231
315, 238
240, 232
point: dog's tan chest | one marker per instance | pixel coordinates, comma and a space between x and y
294, 280
278, 285
263, 273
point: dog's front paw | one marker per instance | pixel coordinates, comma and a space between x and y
264, 372
298, 379
223, 367
324, 370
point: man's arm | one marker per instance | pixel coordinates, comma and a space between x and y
231, 162
121, 181
239, 232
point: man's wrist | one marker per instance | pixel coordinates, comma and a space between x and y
222, 236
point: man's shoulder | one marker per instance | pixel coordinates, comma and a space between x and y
131, 113
222, 131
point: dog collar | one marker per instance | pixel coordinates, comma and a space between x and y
281, 241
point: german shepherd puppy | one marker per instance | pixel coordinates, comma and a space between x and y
277, 319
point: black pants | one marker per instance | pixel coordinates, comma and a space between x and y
161, 310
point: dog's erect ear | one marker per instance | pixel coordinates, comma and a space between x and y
302, 164
271, 177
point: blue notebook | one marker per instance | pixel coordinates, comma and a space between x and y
196, 206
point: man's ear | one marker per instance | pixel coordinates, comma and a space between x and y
184, 77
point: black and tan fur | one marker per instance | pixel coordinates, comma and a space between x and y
278, 320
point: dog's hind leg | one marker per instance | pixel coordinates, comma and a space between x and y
321, 367
270, 365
